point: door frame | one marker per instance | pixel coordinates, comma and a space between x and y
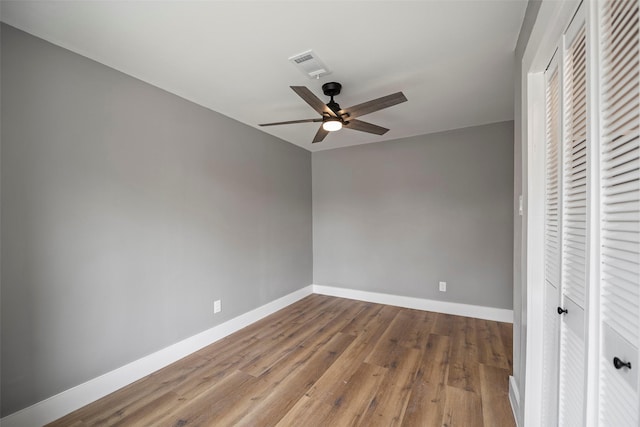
551, 21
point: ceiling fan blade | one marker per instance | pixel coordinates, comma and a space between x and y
320, 135
374, 105
315, 102
366, 127
291, 122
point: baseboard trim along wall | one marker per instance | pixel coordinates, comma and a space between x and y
69, 400
458, 309
514, 399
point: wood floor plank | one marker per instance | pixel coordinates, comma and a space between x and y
328, 322
387, 406
273, 376
410, 328
284, 386
352, 397
327, 361
463, 366
462, 409
251, 340
444, 324
490, 348
368, 317
307, 411
347, 407
425, 406
496, 410
326, 387
263, 352
115, 406
206, 378
206, 407
151, 413
428, 412
423, 328
506, 334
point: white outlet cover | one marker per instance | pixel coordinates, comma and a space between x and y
217, 306
443, 286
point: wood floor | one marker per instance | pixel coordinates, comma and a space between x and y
327, 361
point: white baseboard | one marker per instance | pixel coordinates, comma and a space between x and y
514, 399
69, 400
458, 309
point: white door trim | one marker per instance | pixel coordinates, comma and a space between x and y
552, 20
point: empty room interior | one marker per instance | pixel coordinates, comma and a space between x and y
320, 213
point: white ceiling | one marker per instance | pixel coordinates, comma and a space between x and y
452, 59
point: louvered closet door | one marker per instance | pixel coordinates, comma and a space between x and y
574, 228
620, 214
552, 265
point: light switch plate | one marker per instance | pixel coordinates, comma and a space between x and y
520, 205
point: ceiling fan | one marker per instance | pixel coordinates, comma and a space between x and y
335, 118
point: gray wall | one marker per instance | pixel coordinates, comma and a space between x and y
397, 217
125, 212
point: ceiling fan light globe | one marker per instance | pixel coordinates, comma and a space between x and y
332, 125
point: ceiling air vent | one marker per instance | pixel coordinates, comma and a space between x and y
309, 63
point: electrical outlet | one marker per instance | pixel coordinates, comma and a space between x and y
217, 306
443, 286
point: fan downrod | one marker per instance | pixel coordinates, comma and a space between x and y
332, 89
